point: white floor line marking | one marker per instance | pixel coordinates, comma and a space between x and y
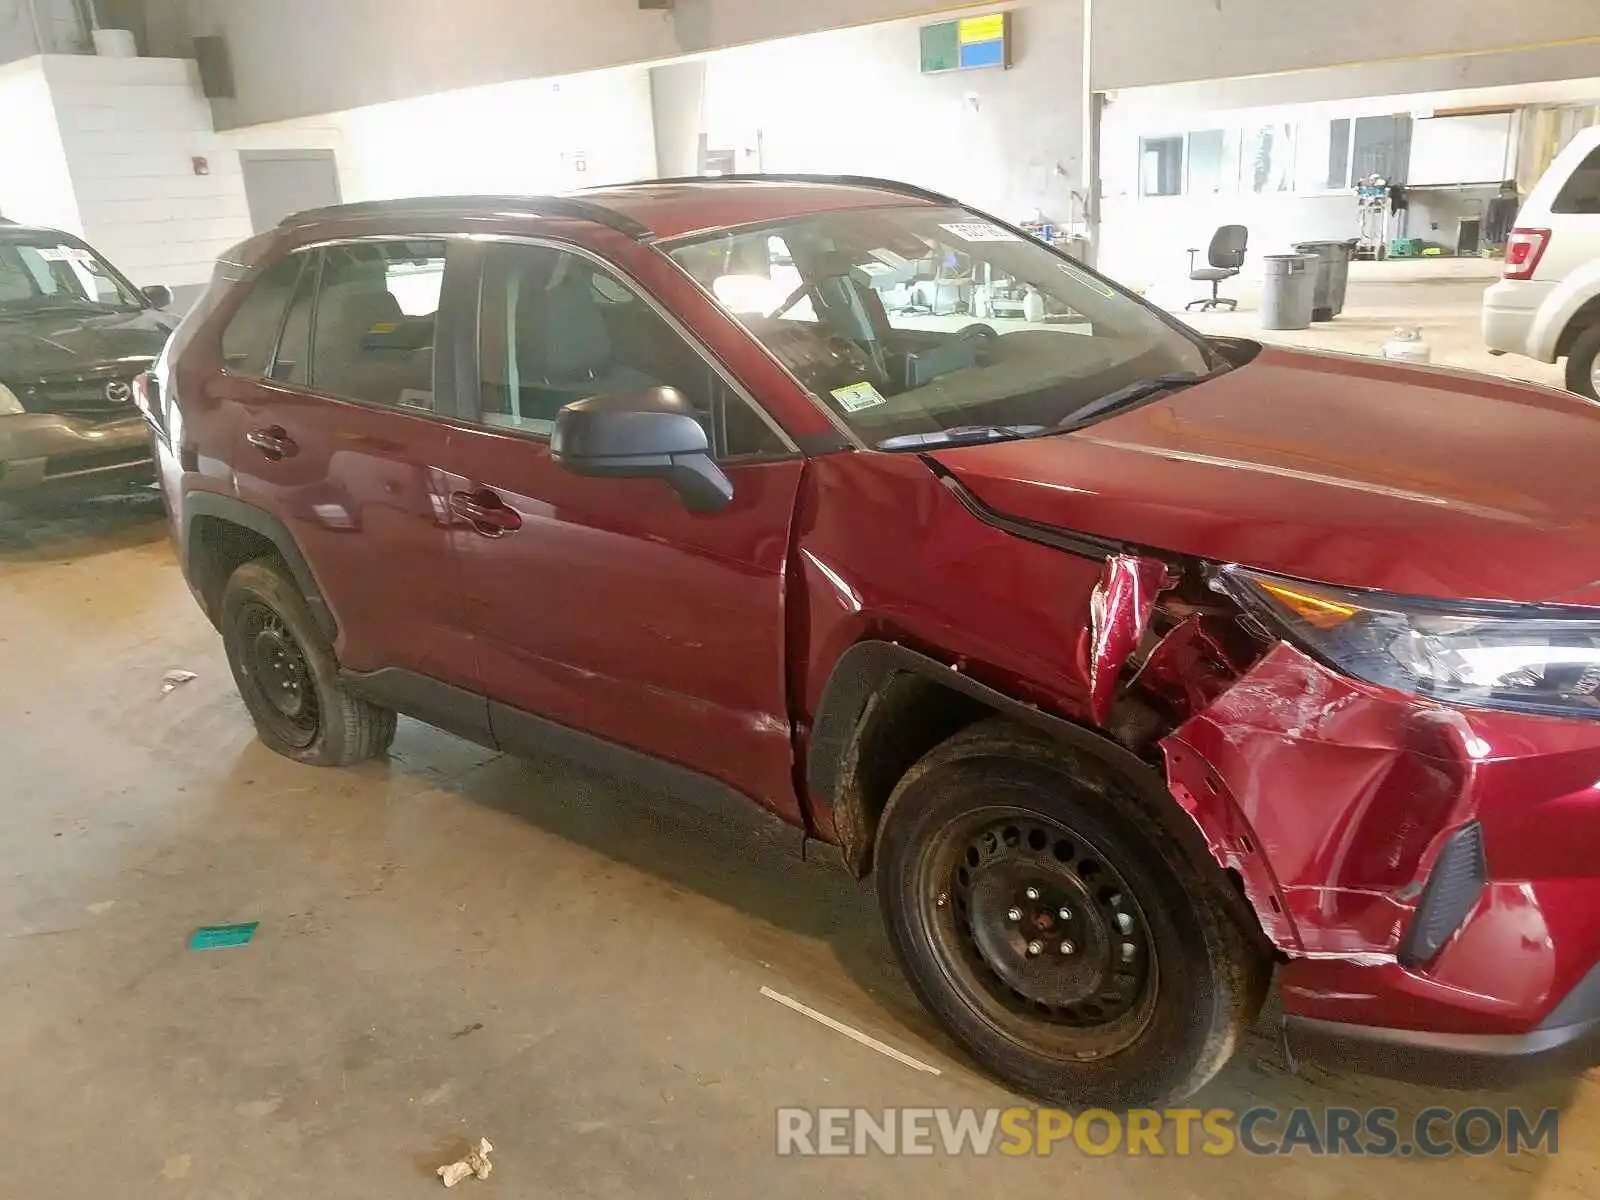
855, 1035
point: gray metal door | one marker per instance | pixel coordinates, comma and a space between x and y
280, 182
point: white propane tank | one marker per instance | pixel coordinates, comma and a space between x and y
1406, 345
1032, 305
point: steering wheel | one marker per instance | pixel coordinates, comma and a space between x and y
977, 330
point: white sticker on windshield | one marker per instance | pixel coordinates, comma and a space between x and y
979, 231
53, 253
858, 396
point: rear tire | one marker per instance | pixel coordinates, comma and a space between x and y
1583, 364
287, 675
1058, 931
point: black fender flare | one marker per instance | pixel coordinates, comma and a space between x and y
257, 520
864, 672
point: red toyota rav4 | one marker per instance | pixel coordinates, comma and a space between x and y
1133, 664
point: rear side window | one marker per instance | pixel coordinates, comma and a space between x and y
248, 341
292, 362
376, 309
1581, 192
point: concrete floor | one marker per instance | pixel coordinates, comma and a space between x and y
455, 944
1441, 297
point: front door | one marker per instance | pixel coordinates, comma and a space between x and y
605, 605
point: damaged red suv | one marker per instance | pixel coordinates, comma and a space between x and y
1134, 665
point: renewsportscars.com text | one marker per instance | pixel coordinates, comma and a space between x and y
1431, 1133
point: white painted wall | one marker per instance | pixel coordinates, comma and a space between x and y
130, 128
35, 186
351, 53
33, 27
1141, 42
356, 52
104, 147
529, 137
855, 102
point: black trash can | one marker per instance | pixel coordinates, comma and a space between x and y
1333, 275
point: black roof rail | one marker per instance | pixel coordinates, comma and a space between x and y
439, 206
866, 181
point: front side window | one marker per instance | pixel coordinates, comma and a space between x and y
42, 272
915, 323
555, 327
376, 308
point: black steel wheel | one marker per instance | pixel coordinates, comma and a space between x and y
275, 671
1058, 930
287, 675
1041, 929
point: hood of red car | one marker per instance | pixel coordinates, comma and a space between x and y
1348, 470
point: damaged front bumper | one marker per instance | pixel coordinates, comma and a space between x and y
51, 453
1427, 871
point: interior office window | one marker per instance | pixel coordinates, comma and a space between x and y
249, 339
1581, 193
1322, 155
555, 327
1381, 146
1339, 154
377, 304
1266, 159
1213, 162
1161, 166
291, 363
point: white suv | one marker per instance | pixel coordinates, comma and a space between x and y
1548, 305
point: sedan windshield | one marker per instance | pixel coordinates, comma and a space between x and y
922, 326
48, 273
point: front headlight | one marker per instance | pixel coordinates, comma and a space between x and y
1525, 658
10, 406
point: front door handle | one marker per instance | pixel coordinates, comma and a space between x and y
274, 442
485, 512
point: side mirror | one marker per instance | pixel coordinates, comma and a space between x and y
158, 294
649, 433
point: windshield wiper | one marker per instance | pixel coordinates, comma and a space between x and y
67, 305
962, 435
1131, 394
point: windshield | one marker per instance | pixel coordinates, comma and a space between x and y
920, 324
48, 273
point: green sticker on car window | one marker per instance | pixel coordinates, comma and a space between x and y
858, 396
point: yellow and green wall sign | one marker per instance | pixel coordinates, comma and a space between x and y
969, 42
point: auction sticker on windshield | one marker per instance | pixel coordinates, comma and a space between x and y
858, 396
979, 231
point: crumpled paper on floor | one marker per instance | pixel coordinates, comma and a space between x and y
175, 679
475, 1163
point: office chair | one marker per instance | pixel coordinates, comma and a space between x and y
1226, 256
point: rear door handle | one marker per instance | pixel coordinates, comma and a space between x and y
273, 442
485, 512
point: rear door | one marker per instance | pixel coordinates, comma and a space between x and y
1566, 201
604, 605
339, 411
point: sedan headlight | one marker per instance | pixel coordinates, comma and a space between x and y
10, 406
1525, 658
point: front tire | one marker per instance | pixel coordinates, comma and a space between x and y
287, 675
1583, 364
1060, 934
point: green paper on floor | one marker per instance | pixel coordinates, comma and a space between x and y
217, 937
